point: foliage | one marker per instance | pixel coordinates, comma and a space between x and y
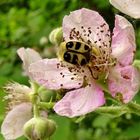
24, 23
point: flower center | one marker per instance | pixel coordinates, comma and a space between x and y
100, 57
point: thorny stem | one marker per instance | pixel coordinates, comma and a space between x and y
113, 110
46, 105
134, 108
34, 86
35, 99
119, 110
36, 103
36, 111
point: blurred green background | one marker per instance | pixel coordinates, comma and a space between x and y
24, 23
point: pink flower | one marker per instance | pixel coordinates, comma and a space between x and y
28, 56
20, 111
19, 105
12, 127
114, 60
129, 7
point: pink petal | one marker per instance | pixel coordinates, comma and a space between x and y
80, 102
28, 56
123, 41
87, 26
124, 80
129, 7
55, 75
12, 127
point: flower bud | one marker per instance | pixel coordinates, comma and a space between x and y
39, 128
46, 95
136, 64
43, 40
56, 36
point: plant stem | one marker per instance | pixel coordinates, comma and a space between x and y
134, 108
36, 111
114, 111
46, 105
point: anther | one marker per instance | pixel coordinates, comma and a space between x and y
72, 78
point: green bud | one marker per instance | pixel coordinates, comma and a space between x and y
46, 95
52, 127
39, 128
136, 64
43, 40
56, 36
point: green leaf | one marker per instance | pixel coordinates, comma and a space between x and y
6, 69
131, 132
63, 128
101, 121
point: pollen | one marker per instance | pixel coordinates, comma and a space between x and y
72, 78
61, 85
53, 81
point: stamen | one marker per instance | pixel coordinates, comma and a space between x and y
101, 59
